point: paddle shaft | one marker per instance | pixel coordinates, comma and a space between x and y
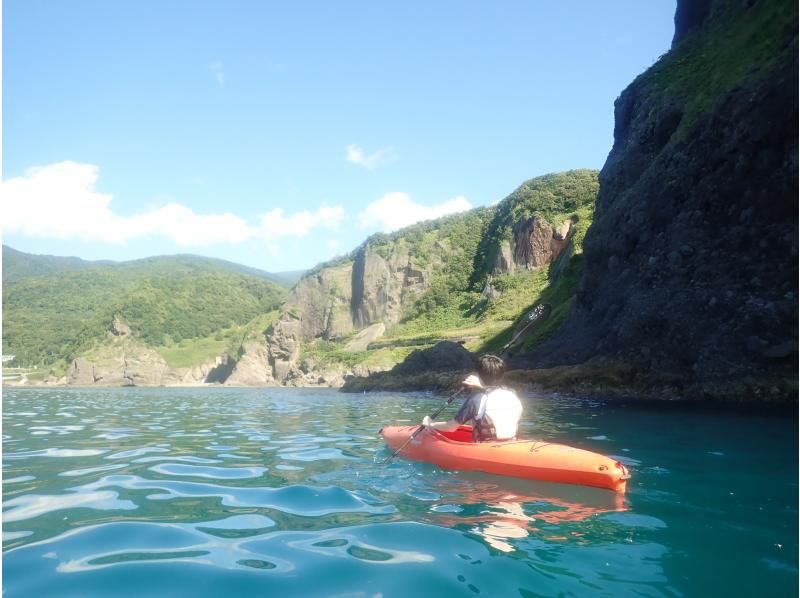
418, 430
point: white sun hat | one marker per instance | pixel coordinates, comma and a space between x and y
472, 380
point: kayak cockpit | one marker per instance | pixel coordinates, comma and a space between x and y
461, 434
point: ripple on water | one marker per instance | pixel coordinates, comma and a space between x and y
303, 500
205, 471
56, 452
19, 479
34, 505
137, 452
313, 454
91, 470
181, 458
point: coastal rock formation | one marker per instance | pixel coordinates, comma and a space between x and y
253, 366
322, 303
368, 291
365, 337
81, 373
534, 243
124, 362
438, 367
691, 263
283, 345
191, 376
382, 286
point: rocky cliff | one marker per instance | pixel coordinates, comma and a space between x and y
534, 243
127, 362
691, 264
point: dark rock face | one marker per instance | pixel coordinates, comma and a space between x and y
689, 16
219, 373
436, 368
444, 356
370, 284
691, 264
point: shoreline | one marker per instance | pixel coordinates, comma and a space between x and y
737, 393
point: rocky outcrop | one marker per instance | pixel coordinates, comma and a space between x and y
534, 243
81, 373
439, 367
119, 327
253, 366
691, 263
195, 375
322, 303
283, 345
124, 362
382, 286
365, 337
368, 292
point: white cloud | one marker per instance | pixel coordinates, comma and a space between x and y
357, 156
216, 68
60, 201
274, 223
396, 210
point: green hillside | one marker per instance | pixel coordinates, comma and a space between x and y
460, 251
191, 309
18, 265
164, 300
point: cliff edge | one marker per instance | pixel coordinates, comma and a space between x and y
691, 263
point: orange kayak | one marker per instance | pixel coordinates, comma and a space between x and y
531, 459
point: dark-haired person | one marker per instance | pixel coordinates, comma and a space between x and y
494, 410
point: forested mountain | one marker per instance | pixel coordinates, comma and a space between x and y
53, 308
17, 264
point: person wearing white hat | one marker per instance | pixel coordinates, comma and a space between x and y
494, 410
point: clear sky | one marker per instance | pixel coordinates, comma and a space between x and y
280, 134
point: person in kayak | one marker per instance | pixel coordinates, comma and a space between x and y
494, 410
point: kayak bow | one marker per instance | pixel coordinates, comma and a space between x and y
531, 459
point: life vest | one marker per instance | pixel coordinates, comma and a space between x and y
503, 410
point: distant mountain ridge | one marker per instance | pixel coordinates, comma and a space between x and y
18, 264
55, 308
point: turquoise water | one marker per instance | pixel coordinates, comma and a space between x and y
277, 492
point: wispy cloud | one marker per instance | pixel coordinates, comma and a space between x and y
356, 155
396, 210
216, 68
60, 201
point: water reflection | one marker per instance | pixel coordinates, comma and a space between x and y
502, 510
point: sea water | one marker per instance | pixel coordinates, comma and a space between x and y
281, 492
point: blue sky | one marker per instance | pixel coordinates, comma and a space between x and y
278, 135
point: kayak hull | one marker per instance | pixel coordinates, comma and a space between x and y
530, 459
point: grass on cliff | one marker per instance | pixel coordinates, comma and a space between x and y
322, 353
191, 352
558, 293
711, 61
